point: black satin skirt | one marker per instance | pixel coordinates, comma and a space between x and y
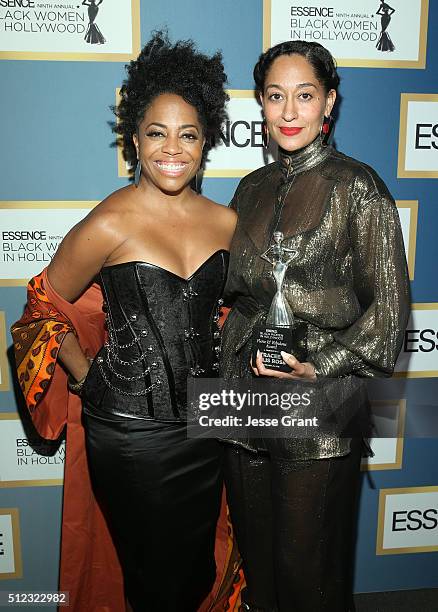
160, 493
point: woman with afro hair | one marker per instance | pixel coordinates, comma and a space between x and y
159, 252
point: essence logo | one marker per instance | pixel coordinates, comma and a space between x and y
24, 235
426, 136
17, 3
408, 520
418, 358
424, 340
311, 11
414, 520
418, 136
242, 134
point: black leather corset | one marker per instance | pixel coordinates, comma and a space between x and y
162, 328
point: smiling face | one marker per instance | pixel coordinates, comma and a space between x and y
294, 102
169, 143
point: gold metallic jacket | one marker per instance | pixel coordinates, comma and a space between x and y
349, 283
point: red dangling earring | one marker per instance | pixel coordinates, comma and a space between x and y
326, 129
265, 134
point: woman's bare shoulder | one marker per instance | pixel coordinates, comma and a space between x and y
89, 244
218, 221
221, 212
107, 220
116, 204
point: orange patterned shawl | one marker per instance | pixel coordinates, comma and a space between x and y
37, 338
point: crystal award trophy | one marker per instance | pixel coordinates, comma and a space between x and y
280, 331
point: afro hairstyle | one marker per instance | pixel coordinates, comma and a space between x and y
179, 68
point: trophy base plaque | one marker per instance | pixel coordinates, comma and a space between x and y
270, 341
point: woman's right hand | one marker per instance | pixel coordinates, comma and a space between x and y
73, 358
300, 370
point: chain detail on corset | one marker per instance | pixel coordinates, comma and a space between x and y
145, 391
113, 348
143, 355
121, 376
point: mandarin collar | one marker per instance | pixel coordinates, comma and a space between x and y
292, 163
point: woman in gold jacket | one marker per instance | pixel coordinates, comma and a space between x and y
293, 500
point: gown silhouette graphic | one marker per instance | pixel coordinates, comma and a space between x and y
385, 11
93, 35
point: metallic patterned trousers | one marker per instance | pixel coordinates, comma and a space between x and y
294, 524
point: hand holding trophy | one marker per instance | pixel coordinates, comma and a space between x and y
280, 331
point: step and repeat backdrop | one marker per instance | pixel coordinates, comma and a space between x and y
61, 68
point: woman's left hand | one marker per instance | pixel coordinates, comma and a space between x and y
300, 370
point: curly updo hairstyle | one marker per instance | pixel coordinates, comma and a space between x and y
318, 56
178, 69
